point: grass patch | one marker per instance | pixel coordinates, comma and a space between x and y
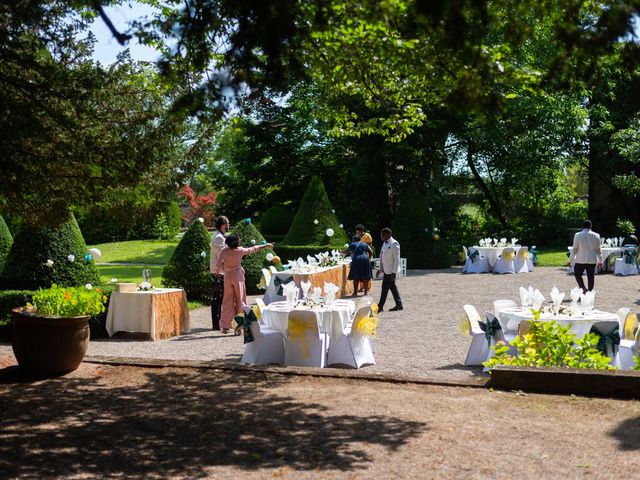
553, 257
129, 274
136, 251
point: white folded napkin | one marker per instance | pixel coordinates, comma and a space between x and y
290, 292
608, 241
311, 260
330, 290
538, 299
588, 300
514, 240
525, 298
305, 286
575, 295
503, 241
481, 242
620, 241
317, 293
556, 298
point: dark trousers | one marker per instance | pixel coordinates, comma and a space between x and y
389, 283
579, 269
216, 302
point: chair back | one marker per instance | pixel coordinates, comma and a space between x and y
622, 313
362, 312
267, 276
631, 326
261, 304
273, 269
302, 323
473, 316
499, 305
523, 252
465, 250
364, 301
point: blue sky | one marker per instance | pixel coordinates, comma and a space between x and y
107, 48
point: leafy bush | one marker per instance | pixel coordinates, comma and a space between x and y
550, 345
69, 301
188, 266
314, 217
5, 242
254, 263
128, 219
414, 227
43, 255
625, 227
276, 220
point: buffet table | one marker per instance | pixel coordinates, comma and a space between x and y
161, 313
338, 275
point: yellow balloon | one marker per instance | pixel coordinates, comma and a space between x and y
276, 259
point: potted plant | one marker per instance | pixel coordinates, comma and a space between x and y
51, 336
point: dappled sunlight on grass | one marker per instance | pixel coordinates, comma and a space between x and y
136, 251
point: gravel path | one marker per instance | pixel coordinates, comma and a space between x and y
422, 340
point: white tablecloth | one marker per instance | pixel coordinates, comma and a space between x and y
580, 325
606, 253
492, 253
139, 312
317, 276
332, 319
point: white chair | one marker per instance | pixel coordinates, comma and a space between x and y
266, 274
622, 316
522, 263
273, 269
505, 262
305, 345
261, 306
267, 346
354, 349
403, 267
474, 262
629, 343
626, 264
479, 347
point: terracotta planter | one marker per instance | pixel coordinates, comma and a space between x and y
49, 345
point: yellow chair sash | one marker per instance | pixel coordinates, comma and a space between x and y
507, 257
523, 254
298, 329
630, 326
256, 311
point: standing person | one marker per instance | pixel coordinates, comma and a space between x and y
217, 244
360, 270
586, 255
389, 266
235, 293
366, 238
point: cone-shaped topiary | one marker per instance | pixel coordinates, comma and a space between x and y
314, 217
188, 266
254, 263
43, 255
414, 227
5, 242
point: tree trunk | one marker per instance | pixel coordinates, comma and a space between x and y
494, 204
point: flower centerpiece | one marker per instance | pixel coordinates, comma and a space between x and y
145, 287
51, 336
308, 302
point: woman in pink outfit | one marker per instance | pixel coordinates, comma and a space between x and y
235, 293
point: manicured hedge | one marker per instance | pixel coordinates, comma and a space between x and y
5, 242
26, 265
415, 228
276, 220
314, 217
188, 266
254, 263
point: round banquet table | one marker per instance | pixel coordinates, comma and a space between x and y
492, 253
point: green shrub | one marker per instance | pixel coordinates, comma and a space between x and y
625, 227
188, 266
254, 263
550, 345
276, 220
314, 217
28, 267
414, 227
129, 220
5, 242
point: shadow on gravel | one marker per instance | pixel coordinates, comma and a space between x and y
477, 371
176, 423
628, 434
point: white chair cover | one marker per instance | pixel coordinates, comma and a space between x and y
621, 267
478, 264
505, 262
628, 347
522, 263
304, 346
267, 346
479, 347
354, 349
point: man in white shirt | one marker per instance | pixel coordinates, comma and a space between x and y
585, 255
217, 244
390, 266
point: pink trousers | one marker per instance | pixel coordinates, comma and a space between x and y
235, 296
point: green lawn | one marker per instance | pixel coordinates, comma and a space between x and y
552, 257
129, 274
136, 251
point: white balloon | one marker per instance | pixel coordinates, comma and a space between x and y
95, 253
329, 232
269, 257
